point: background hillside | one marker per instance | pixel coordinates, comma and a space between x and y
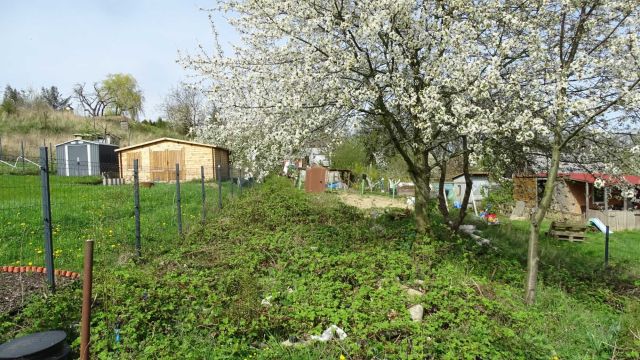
35, 128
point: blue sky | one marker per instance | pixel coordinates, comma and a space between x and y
44, 42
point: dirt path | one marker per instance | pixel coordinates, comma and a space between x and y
372, 201
15, 289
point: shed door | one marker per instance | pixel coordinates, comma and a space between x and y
315, 179
78, 164
222, 159
163, 165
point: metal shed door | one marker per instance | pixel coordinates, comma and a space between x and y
78, 164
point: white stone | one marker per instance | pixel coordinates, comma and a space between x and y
266, 301
414, 293
416, 312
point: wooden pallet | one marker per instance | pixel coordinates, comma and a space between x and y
567, 231
566, 226
568, 235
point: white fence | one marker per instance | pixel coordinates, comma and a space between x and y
617, 219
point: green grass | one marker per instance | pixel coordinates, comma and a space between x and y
589, 309
325, 263
84, 209
585, 259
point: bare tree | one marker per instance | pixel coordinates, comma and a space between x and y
93, 102
185, 107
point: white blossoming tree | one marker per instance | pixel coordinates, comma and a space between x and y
425, 72
580, 76
440, 78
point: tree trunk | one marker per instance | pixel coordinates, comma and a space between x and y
534, 229
422, 203
468, 187
421, 176
442, 201
532, 263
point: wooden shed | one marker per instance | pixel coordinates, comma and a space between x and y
157, 160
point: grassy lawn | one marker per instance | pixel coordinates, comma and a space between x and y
278, 264
84, 209
587, 306
581, 257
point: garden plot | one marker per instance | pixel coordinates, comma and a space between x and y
17, 288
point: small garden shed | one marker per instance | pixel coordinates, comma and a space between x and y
480, 181
157, 160
81, 157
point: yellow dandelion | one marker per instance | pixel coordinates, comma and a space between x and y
29, 263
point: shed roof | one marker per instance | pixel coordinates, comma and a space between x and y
591, 178
86, 142
171, 140
472, 173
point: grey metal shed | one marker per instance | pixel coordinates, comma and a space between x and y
86, 158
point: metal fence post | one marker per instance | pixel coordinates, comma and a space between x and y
87, 285
136, 204
219, 187
178, 204
204, 208
46, 217
231, 181
22, 154
606, 247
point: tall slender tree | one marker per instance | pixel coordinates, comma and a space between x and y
580, 77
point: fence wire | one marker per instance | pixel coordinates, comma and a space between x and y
84, 207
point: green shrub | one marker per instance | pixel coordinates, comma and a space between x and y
500, 197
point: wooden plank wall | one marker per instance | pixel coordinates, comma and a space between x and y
157, 161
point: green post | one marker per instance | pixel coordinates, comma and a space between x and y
362, 187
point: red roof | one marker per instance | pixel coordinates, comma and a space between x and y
591, 178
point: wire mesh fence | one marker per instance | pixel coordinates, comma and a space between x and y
92, 207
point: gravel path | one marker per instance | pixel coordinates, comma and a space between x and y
372, 201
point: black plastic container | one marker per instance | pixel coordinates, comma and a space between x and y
48, 345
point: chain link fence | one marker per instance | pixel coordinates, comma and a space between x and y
93, 207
